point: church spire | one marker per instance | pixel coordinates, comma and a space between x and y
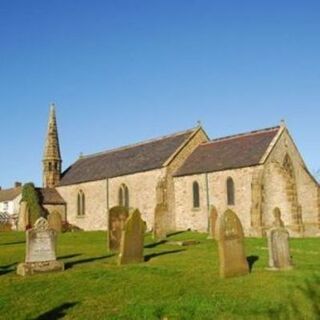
52, 157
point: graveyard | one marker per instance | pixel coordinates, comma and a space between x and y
172, 281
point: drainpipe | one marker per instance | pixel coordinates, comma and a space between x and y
208, 201
107, 196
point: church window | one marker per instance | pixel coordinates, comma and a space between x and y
230, 191
50, 166
196, 194
123, 196
81, 203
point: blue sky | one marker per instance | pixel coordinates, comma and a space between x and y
124, 71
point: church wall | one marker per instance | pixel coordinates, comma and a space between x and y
277, 193
197, 219
142, 192
61, 208
95, 217
176, 163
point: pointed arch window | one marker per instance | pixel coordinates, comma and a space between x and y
123, 196
81, 203
196, 194
230, 191
50, 166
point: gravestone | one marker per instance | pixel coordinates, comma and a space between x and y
160, 212
278, 244
55, 221
159, 228
117, 218
40, 250
230, 238
212, 222
132, 239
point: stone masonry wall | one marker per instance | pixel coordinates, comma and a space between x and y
56, 207
142, 192
142, 195
176, 163
95, 217
296, 197
188, 217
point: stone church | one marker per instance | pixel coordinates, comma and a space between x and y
190, 175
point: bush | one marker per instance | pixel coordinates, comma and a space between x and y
30, 195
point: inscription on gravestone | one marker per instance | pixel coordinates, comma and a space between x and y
40, 250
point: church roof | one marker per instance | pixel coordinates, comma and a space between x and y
131, 159
231, 152
49, 196
10, 194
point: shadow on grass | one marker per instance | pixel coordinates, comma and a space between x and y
71, 264
251, 260
175, 233
155, 244
7, 268
56, 313
69, 256
154, 255
11, 243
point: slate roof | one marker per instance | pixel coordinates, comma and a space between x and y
238, 151
9, 194
131, 159
49, 196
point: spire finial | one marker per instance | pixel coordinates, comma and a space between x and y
282, 122
199, 124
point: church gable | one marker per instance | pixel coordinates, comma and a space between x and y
141, 157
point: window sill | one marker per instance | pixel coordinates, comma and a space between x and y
81, 217
196, 209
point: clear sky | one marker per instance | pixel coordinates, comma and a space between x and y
124, 71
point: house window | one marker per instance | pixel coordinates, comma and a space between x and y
5, 206
81, 204
196, 194
230, 191
124, 196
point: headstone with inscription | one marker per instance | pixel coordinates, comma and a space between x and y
40, 250
55, 221
116, 220
230, 238
278, 244
132, 239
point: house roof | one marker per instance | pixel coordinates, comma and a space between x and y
231, 152
131, 159
49, 196
10, 194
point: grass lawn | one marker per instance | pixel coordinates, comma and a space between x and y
174, 283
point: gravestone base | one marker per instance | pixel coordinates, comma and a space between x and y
30, 268
280, 269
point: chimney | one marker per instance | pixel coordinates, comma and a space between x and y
17, 184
